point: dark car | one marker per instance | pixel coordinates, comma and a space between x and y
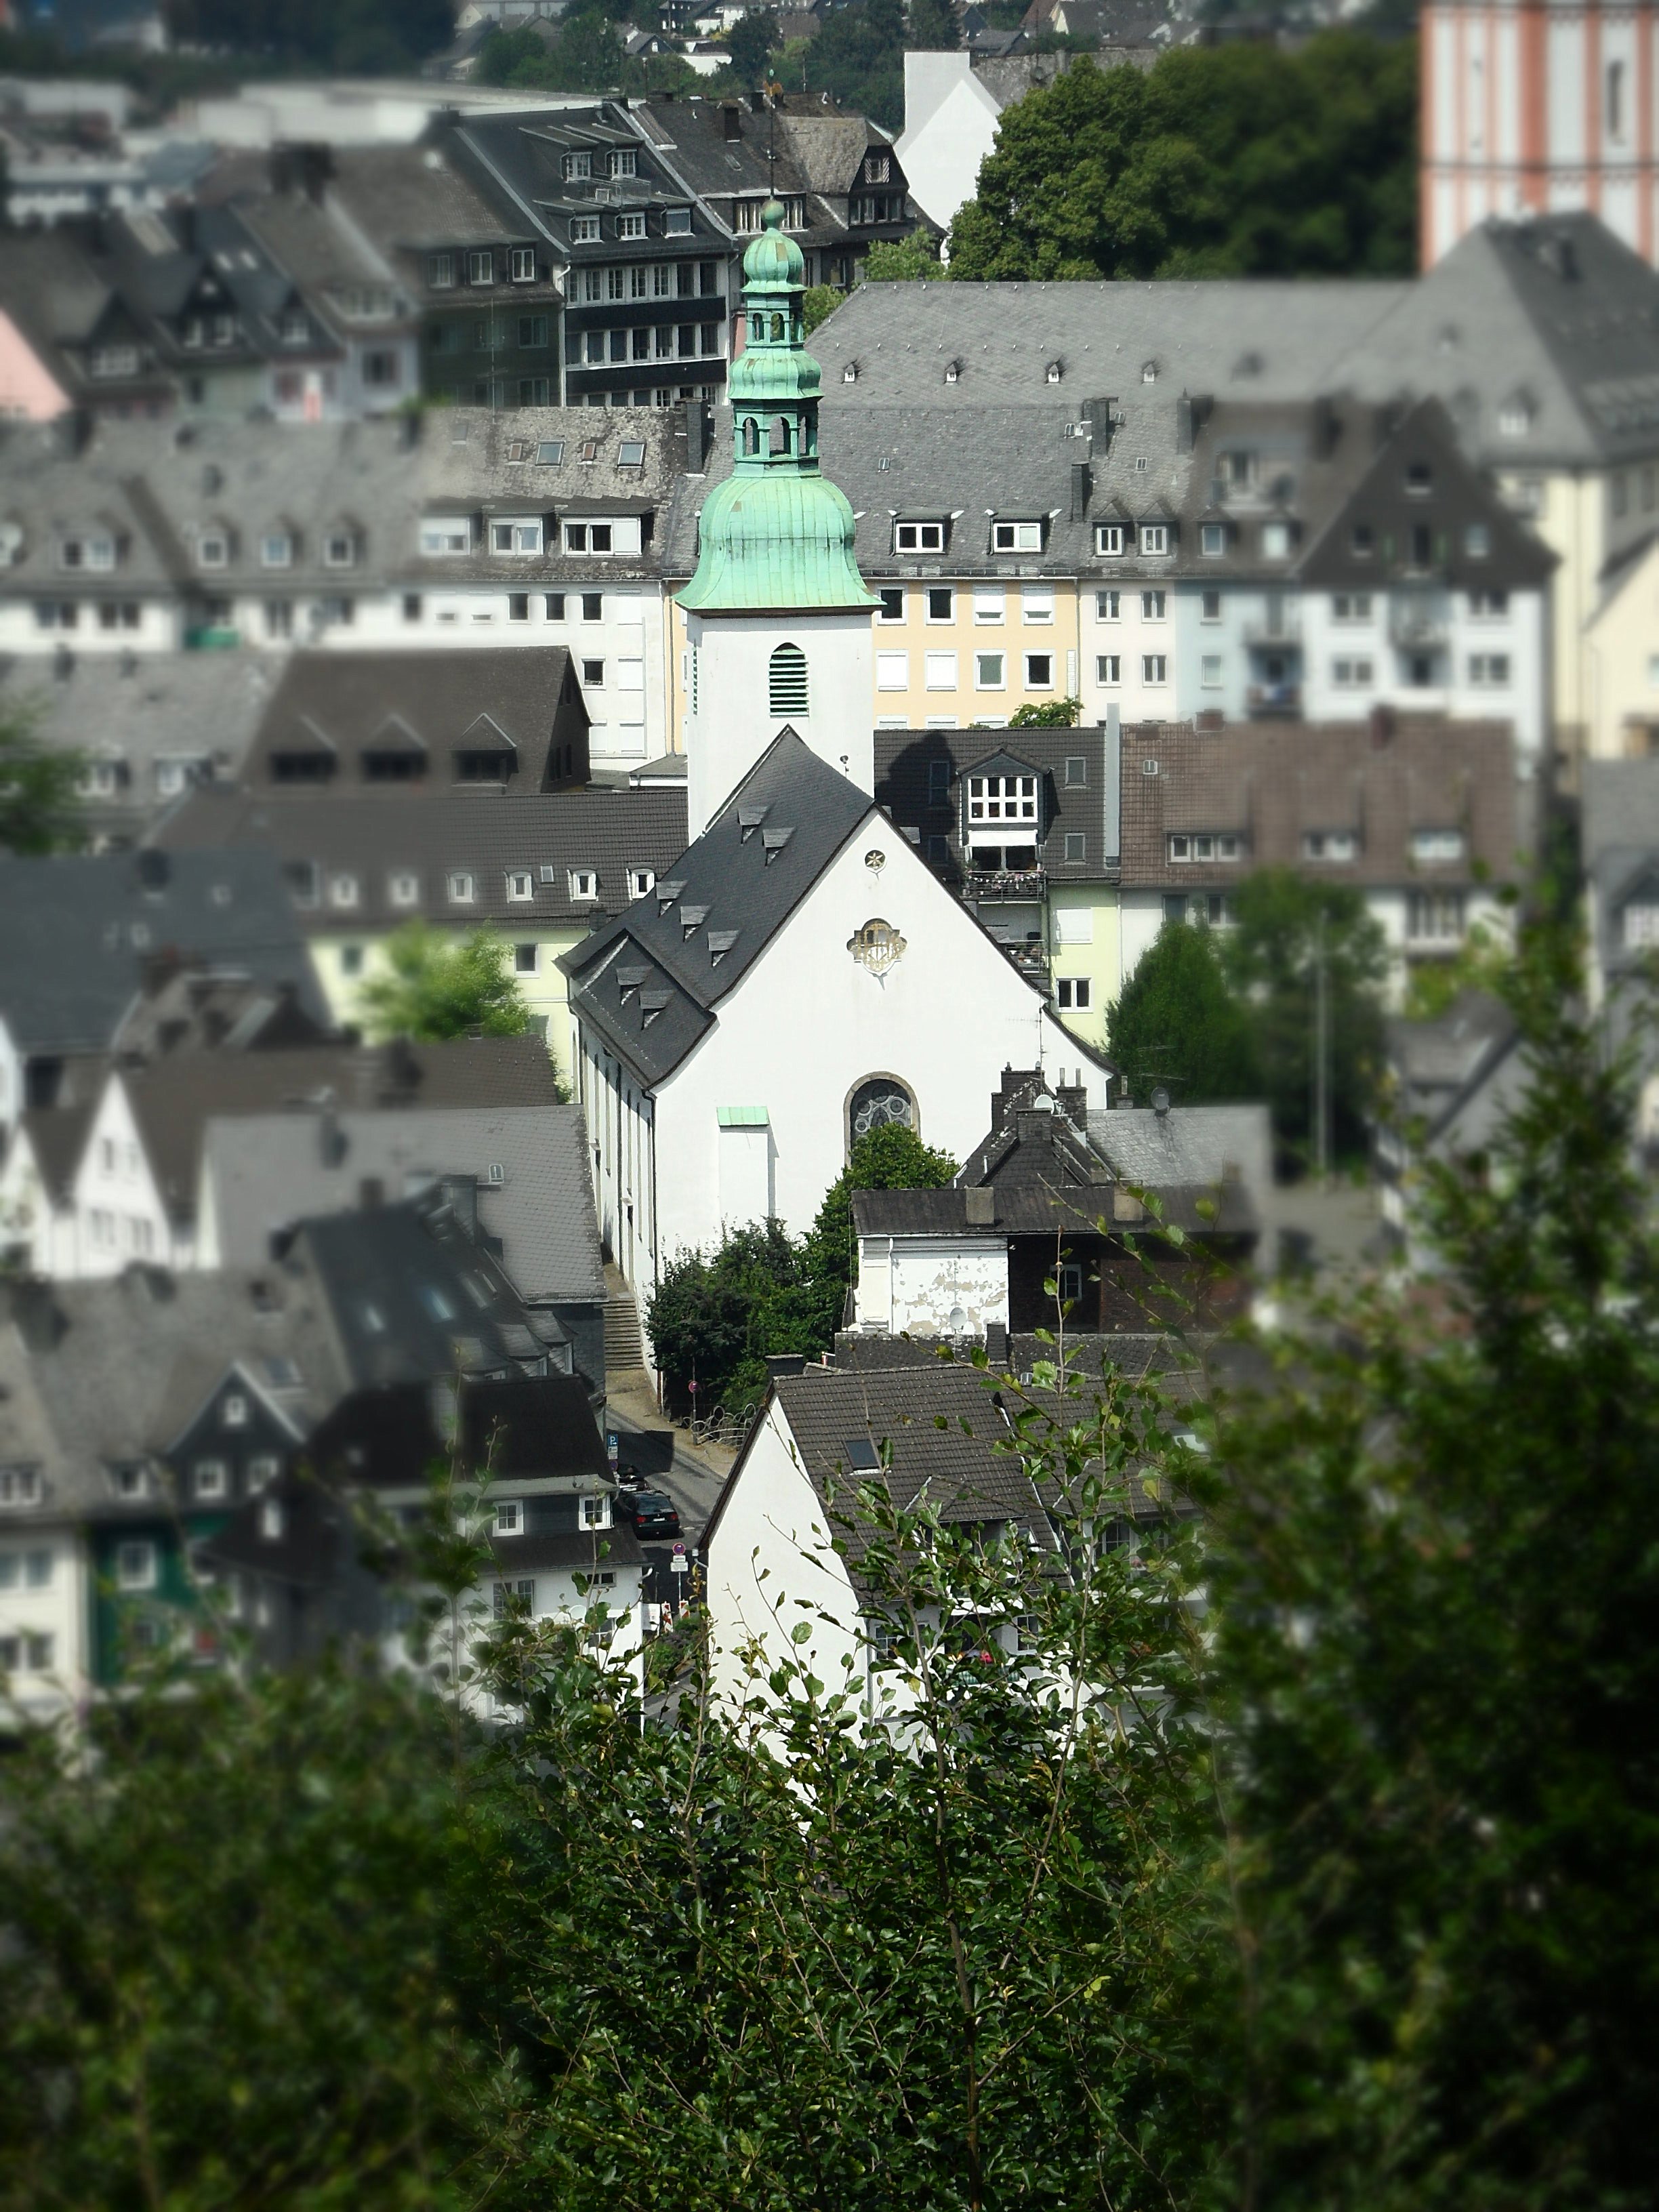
650, 1512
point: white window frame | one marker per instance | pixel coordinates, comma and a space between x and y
892, 672
1001, 801
520, 885
137, 1564
1154, 668
210, 1478
402, 887
998, 682
1108, 669
462, 887
583, 884
919, 537
1109, 540
990, 604
1034, 682
1036, 606
939, 672
1154, 539
1016, 536
584, 230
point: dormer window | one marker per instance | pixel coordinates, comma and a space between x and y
1149, 371
1108, 539
520, 883
676, 222
623, 161
630, 226
520, 536
1432, 845
588, 537
404, 888
1362, 541
919, 537
575, 168
463, 887
521, 264
1016, 537
878, 170
584, 884
1419, 480
213, 549
481, 268
849, 373
340, 549
953, 372
1053, 372
441, 272
276, 549
343, 890
1515, 416
445, 535
585, 230
1001, 799
1212, 539
1329, 845
1154, 537
1201, 847
641, 882
1276, 541
1641, 925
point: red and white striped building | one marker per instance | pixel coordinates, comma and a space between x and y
1542, 104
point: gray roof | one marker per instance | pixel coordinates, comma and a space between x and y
1089, 808
76, 932
1436, 1064
102, 1371
1201, 1147
411, 198
650, 983
266, 1170
373, 836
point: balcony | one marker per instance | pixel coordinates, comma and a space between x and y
1029, 957
1417, 626
1282, 629
1274, 702
1005, 883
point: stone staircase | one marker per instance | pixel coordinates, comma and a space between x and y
624, 1344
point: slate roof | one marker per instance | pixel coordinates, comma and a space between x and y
1202, 1147
649, 983
76, 932
1436, 1064
1619, 841
174, 1100
96, 1371
520, 154
530, 1428
411, 198
1256, 337
1269, 785
373, 836
957, 1468
431, 703
1089, 810
265, 1170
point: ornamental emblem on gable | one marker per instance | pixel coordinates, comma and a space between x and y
876, 946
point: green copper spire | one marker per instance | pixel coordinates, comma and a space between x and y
777, 533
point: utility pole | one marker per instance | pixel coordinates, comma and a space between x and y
1322, 1099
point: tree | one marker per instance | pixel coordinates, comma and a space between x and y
1436, 1682
891, 1157
903, 260
819, 302
934, 26
1051, 714
858, 57
1234, 160
753, 40
1176, 1023
357, 35
1286, 931
434, 987
39, 804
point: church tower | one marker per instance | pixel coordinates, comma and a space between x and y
777, 616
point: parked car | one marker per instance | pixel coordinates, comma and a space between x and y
650, 1512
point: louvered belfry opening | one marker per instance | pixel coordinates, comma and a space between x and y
787, 681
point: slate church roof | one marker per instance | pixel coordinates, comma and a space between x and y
650, 983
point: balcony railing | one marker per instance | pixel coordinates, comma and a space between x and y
1282, 629
1005, 883
1274, 699
1415, 627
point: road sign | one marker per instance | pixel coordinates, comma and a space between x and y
679, 1564
613, 1446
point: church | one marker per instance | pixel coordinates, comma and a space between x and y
800, 976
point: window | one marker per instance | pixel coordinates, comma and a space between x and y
339, 549
786, 691
1071, 996
509, 1517
1434, 918
1429, 845
212, 1478
1419, 480
584, 230
1489, 604
1329, 845
1108, 668
1209, 674
114, 360
1351, 606
20, 1486
939, 672
532, 333
517, 606
135, 1565
1477, 541
1154, 668
1077, 773
1362, 542
1016, 537
441, 272
520, 537
1039, 671
919, 537
233, 1411
1077, 847
584, 883
988, 671
481, 268
892, 604
939, 782
676, 222
1001, 799
1212, 539
343, 890
892, 672
1154, 537
1348, 675
446, 534
1515, 417
1489, 670
404, 888
630, 226
641, 882
520, 883
1641, 930
1036, 606
594, 608
1153, 605
1276, 541
212, 549
1108, 539
990, 606
877, 1102
941, 604
463, 888
596, 1512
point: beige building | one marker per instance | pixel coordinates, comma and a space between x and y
1622, 649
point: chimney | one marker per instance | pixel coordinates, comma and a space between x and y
331, 1145
461, 1195
732, 120
1097, 414
1326, 427
1183, 424
1074, 1101
981, 1206
779, 1364
696, 437
996, 1342
1080, 490
1035, 1124
1018, 1087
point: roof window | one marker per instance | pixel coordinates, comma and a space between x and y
550, 452
919, 537
630, 454
1016, 537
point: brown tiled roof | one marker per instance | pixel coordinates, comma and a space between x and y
1269, 784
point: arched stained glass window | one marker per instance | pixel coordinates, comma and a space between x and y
877, 1102
787, 682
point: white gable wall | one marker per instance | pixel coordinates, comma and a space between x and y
808, 1024
117, 1213
728, 660
931, 1285
949, 127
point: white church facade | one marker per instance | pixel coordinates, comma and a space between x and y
800, 975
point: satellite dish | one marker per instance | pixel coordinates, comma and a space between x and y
1160, 1099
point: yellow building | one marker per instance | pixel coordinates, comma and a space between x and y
1621, 651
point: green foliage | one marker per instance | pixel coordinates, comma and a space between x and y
242, 1961
1284, 927
362, 35
1048, 714
435, 988
858, 57
819, 302
40, 807
1234, 160
934, 26
903, 260
1176, 1023
716, 1316
752, 39
585, 56
1436, 1671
